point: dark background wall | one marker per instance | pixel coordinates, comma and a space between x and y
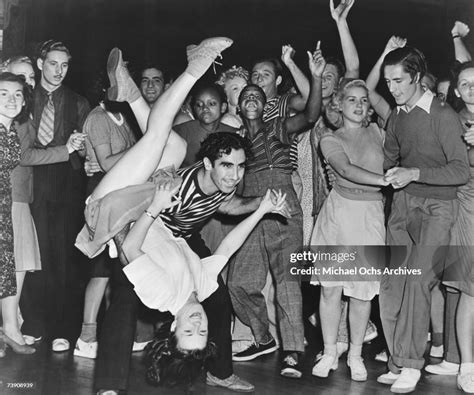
160, 29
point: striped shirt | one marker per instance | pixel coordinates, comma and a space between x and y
278, 107
271, 148
195, 208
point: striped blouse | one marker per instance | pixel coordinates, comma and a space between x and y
195, 208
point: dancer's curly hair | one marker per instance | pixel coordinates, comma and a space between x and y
333, 112
171, 366
232, 73
218, 144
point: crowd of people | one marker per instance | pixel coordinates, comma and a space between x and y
187, 203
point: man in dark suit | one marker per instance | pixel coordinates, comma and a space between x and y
52, 297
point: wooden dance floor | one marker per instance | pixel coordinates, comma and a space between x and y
63, 374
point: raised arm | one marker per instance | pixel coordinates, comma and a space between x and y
458, 32
302, 121
380, 105
296, 102
349, 50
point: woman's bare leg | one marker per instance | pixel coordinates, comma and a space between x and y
10, 304
140, 161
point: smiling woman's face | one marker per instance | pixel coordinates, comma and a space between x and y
191, 327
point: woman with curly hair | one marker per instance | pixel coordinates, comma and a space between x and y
233, 81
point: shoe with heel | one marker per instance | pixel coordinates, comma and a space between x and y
17, 347
202, 56
327, 363
122, 87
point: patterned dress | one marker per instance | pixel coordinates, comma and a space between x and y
9, 159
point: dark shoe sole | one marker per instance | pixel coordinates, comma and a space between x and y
235, 358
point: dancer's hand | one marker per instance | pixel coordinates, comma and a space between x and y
164, 197
331, 175
400, 177
75, 142
274, 202
91, 167
468, 136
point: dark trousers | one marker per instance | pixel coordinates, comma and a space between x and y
218, 308
117, 334
118, 329
52, 299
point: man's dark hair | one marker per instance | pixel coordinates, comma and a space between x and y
252, 86
213, 88
222, 143
53, 45
151, 65
170, 366
411, 59
341, 69
25, 111
277, 67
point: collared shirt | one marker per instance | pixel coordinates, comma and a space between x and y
424, 102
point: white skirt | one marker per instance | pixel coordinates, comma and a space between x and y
342, 221
25, 240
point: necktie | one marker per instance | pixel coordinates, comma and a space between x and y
46, 126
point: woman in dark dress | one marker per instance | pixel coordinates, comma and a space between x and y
12, 102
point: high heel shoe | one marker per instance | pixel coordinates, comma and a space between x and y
16, 347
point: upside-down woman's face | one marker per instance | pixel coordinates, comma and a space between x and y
191, 327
